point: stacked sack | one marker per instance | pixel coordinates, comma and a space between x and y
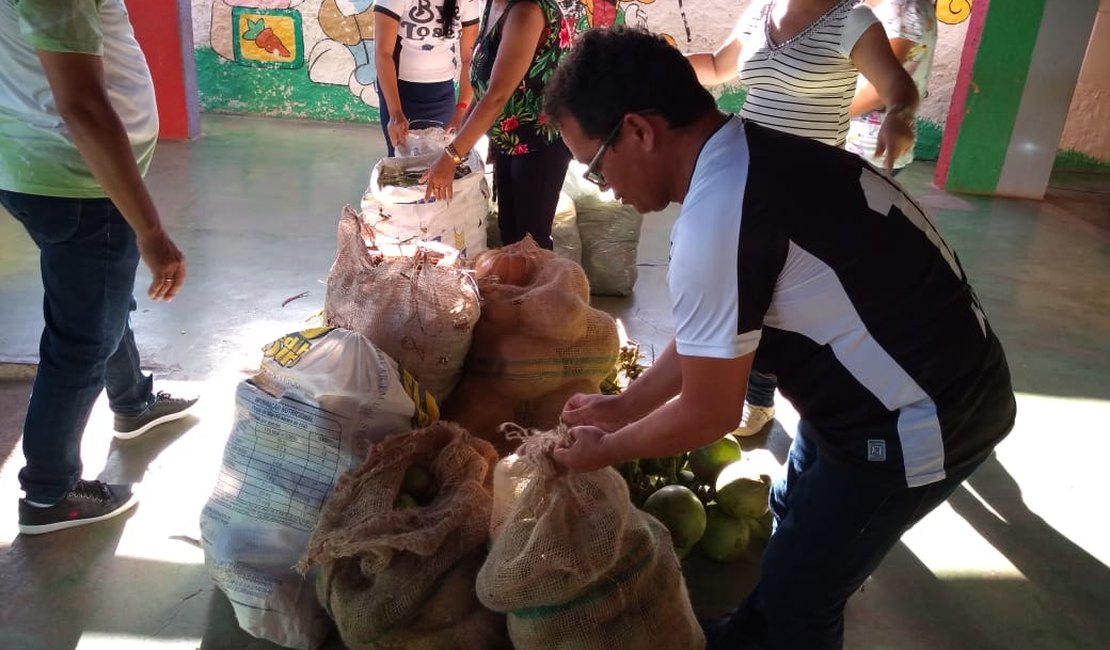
414, 303
537, 342
575, 566
400, 542
321, 398
609, 233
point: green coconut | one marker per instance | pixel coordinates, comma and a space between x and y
708, 461
726, 537
742, 492
680, 510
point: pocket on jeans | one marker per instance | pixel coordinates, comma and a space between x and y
48, 219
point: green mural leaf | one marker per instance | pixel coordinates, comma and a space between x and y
254, 28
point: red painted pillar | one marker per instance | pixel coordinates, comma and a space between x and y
164, 29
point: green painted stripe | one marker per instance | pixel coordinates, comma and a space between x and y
997, 83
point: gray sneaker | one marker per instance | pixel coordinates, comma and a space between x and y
165, 408
87, 503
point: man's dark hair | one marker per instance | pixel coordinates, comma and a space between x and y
614, 71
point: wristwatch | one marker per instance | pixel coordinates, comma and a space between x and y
450, 151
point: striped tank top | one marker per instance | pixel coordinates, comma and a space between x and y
804, 85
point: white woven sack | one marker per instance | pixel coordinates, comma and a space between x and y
322, 397
401, 213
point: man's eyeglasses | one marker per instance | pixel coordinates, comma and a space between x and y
592, 173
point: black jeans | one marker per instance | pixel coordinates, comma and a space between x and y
527, 187
88, 257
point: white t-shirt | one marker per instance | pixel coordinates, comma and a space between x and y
424, 54
37, 153
805, 85
913, 20
845, 290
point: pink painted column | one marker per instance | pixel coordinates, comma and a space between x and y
164, 29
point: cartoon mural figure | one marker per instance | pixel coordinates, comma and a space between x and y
346, 55
953, 12
608, 13
260, 33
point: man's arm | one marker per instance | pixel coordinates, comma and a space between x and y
77, 82
707, 408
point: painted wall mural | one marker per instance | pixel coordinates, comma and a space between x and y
314, 59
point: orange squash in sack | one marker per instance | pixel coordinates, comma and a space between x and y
509, 267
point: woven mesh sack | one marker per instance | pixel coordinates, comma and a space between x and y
403, 577
420, 313
574, 565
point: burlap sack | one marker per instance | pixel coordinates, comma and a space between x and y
532, 342
575, 565
419, 313
403, 577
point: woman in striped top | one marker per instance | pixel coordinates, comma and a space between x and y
800, 60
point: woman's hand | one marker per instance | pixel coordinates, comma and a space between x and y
440, 179
456, 119
895, 136
398, 129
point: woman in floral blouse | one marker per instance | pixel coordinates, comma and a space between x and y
520, 45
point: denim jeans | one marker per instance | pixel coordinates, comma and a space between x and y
834, 526
87, 257
761, 389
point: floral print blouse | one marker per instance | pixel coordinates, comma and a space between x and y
523, 126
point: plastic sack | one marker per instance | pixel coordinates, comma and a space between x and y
321, 398
399, 211
420, 142
610, 233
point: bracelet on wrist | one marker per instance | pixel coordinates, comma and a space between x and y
453, 153
462, 105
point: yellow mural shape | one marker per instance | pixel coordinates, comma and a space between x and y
266, 37
953, 12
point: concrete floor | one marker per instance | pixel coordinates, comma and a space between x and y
1016, 559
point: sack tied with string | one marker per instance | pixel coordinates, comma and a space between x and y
398, 549
574, 565
537, 342
419, 309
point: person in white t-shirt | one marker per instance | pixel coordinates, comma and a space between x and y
911, 26
803, 260
78, 125
799, 60
421, 47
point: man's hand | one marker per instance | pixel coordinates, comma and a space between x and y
602, 411
166, 264
584, 449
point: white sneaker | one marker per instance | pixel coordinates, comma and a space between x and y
753, 421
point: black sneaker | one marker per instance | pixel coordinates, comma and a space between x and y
87, 503
165, 408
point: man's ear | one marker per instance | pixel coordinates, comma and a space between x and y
643, 130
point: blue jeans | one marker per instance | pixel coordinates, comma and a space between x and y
423, 104
834, 524
88, 257
761, 389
